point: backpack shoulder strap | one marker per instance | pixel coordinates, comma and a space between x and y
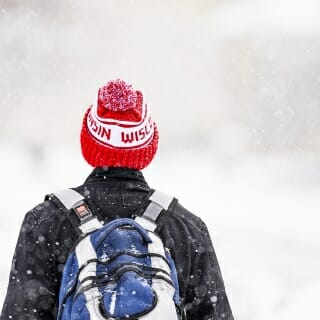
75, 202
159, 202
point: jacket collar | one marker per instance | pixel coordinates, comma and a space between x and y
114, 173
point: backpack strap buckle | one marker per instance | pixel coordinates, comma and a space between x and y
74, 201
83, 212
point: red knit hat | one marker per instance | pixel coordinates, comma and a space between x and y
117, 130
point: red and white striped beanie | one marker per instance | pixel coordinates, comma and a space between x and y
117, 130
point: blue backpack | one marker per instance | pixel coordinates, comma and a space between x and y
119, 270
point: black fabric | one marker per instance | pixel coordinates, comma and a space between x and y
47, 236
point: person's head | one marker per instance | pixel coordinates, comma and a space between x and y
117, 130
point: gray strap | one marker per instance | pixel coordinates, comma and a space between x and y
147, 224
90, 225
162, 199
72, 200
152, 212
69, 198
159, 201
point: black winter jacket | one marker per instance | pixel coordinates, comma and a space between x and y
47, 235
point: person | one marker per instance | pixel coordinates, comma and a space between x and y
119, 139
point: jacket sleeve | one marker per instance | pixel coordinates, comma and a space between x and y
205, 295
32, 285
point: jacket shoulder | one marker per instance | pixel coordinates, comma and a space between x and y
49, 210
44, 211
187, 216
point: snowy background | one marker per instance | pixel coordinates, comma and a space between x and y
234, 87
